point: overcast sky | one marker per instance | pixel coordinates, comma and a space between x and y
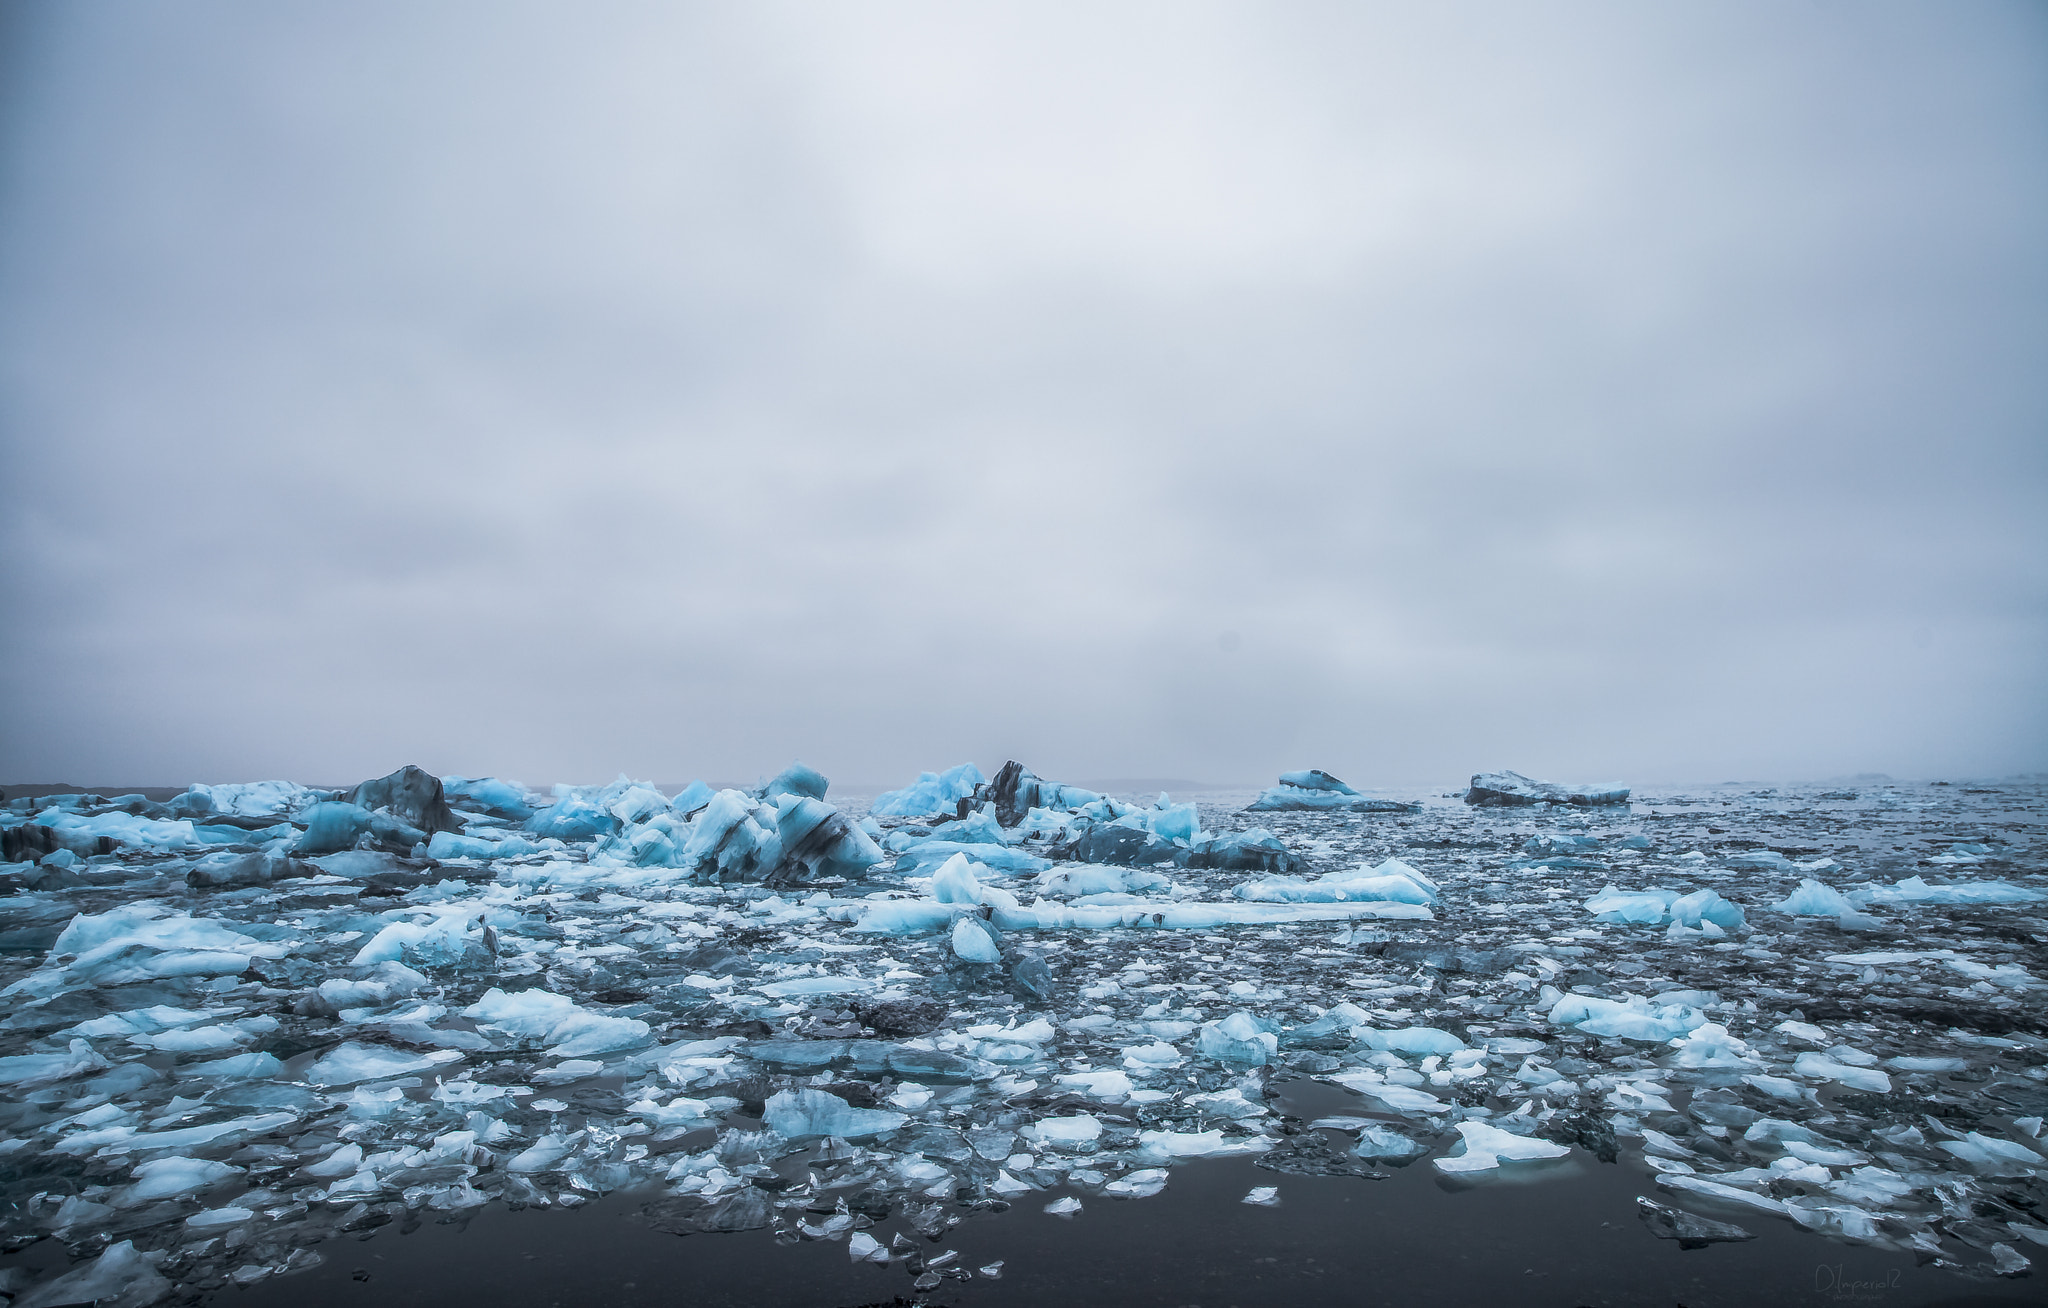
1606, 391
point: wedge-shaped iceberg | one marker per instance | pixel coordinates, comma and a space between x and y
1393, 881
805, 1114
931, 794
1512, 789
1485, 1147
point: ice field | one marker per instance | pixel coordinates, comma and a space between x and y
253, 1022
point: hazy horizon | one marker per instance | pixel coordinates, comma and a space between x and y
1593, 390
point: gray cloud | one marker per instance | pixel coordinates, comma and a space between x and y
1191, 390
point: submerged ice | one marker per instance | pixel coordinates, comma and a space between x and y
258, 1018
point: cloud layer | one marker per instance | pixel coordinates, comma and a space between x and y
1135, 390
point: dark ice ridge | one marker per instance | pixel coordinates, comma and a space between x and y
224, 1047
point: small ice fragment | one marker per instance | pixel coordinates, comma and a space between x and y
1265, 1196
864, 1248
1066, 1206
1484, 1147
993, 1271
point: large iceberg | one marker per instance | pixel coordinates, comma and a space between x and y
1512, 789
1315, 790
1016, 790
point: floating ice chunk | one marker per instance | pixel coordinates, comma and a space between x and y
816, 985
1402, 1099
972, 942
1710, 1046
2002, 1157
447, 845
1141, 1184
1066, 1206
163, 1178
2006, 974
26, 1071
1484, 1147
824, 840
1105, 1084
544, 1153
1384, 1144
1065, 1132
1315, 779
977, 828
1239, 1038
335, 825
79, 831
1633, 1018
1905, 1063
543, 1015
1415, 1041
1315, 790
1512, 789
1827, 1069
1195, 1144
800, 1114
929, 854
955, 882
1393, 881
1916, 890
864, 1248
446, 941
1151, 1057
1814, 899
239, 1067
931, 793
1229, 1103
1697, 911
119, 1278
1016, 790
258, 798
349, 1063
1719, 1190
798, 780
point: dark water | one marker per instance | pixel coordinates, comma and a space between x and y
1562, 1233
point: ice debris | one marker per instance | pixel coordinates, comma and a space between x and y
595, 988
